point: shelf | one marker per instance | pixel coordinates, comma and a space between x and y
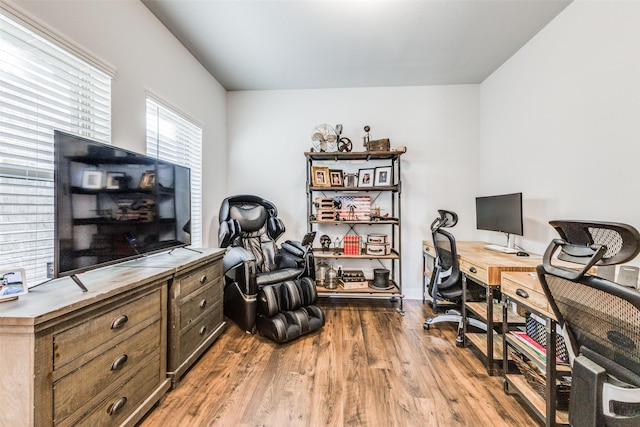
359, 293
533, 399
387, 197
531, 355
480, 310
356, 189
347, 222
362, 155
318, 253
479, 341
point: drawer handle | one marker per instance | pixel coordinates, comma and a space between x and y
203, 329
203, 303
119, 362
119, 321
203, 279
473, 270
117, 405
522, 293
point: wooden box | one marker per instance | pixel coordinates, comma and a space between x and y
380, 145
325, 215
325, 203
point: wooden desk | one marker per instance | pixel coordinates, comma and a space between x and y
533, 300
485, 267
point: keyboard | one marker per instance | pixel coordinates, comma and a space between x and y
501, 249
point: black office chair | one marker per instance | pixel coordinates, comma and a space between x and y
267, 287
446, 279
600, 321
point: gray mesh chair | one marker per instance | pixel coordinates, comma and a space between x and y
600, 321
446, 280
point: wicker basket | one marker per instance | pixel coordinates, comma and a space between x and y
539, 383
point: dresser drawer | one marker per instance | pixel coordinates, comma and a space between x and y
199, 302
527, 289
119, 404
199, 277
90, 332
111, 367
200, 331
475, 271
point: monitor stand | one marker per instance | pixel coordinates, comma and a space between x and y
509, 249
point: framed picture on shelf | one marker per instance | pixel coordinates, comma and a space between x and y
320, 176
148, 180
115, 180
92, 179
336, 179
383, 177
365, 177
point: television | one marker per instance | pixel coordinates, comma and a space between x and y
113, 205
501, 213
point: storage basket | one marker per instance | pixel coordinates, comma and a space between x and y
537, 331
539, 383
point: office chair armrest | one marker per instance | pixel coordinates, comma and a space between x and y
614, 393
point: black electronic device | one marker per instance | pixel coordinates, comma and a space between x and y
501, 213
99, 221
522, 253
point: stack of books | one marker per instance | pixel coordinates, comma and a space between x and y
351, 245
353, 279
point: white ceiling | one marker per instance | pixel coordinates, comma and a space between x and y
309, 44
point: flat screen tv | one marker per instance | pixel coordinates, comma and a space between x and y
113, 205
501, 213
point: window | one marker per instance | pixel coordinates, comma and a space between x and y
42, 87
173, 138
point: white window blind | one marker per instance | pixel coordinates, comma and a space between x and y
176, 139
43, 88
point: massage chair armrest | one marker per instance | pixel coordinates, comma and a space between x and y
293, 254
240, 267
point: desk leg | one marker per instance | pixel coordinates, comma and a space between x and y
461, 338
490, 330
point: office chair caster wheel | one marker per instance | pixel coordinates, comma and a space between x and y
460, 339
425, 326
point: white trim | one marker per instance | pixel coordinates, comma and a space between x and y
45, 31
150, 94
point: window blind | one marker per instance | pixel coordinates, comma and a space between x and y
43, 88
173, 138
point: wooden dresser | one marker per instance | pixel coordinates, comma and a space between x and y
196, 318
93, 358
105, 357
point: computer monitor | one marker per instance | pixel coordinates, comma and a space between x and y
501, 213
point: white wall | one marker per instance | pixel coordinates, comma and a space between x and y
126, 35
562, 119
269, 131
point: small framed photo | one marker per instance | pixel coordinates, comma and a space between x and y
365, 177
13, 283
383, 177
115, 180
320, 176
148, 180
336, 178
92, 179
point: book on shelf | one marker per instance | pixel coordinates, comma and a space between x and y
354, 285
532, 345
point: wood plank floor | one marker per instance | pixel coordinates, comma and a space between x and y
369, 366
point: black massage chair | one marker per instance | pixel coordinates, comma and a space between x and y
267, 288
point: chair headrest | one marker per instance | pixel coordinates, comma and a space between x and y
591, 243
244, 199
446, 219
